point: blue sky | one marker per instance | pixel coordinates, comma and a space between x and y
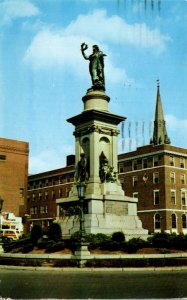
43, 75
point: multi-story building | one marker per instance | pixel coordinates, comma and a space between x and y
14, 175
43, 190
156, 174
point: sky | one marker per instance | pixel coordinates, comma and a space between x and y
43, 75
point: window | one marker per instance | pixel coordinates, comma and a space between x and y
46, 182
60, 193
183, 179
121, 170
172, 177
40, 196
173, 221
33, 197
68, 178
135, 180
155, 161
182, 162
134, 165
171, 160
183, 198
135, 195
156, 177
144, 163
53, 194
60, 180
46, 195
40, 184
2, 157
173, 197
43, 209
156, 197
33, 210
21, 192
184, 221
157, 221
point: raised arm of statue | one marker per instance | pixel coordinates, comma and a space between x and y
83, 48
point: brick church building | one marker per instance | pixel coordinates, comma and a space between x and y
156, 175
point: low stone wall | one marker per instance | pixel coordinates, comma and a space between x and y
95, 261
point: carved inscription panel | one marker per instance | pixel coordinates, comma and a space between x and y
116, 208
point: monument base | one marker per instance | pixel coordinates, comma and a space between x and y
107, 212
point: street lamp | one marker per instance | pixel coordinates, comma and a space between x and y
81, 187
1, 242
82, 253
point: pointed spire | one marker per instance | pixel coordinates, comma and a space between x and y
159, 133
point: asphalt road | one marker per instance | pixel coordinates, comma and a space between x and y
25, 284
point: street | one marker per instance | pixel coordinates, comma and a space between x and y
27, 284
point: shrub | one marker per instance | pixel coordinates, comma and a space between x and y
118, 237
55, 232
97, 240
110, 245
27, 248
15, 245
160, 240
36, 233
178, 241
134, 244
53, 247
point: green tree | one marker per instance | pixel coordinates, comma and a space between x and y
36, 233
55, 232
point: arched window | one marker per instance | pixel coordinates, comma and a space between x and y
157, 221
184, 221
173, 221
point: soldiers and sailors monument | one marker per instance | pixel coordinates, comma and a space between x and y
106, 208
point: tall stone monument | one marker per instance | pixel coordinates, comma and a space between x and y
106, 207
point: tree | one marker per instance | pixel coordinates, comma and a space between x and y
36, 233
55, 232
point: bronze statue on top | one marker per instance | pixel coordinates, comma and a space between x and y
96, 66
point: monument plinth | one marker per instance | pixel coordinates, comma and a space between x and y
107, 209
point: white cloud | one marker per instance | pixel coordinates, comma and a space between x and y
176, 124
61, 48
177, 129
12, 9
48, 160
51, 48
114, 29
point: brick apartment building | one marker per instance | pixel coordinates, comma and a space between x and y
43, 190
14, 175
156, 174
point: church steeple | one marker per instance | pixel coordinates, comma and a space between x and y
159, 133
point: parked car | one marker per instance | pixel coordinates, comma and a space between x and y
9, 234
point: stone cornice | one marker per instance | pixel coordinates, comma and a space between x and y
97, 115
14, 149
150, 154
96, 128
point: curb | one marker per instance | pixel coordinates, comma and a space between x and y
53, 269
